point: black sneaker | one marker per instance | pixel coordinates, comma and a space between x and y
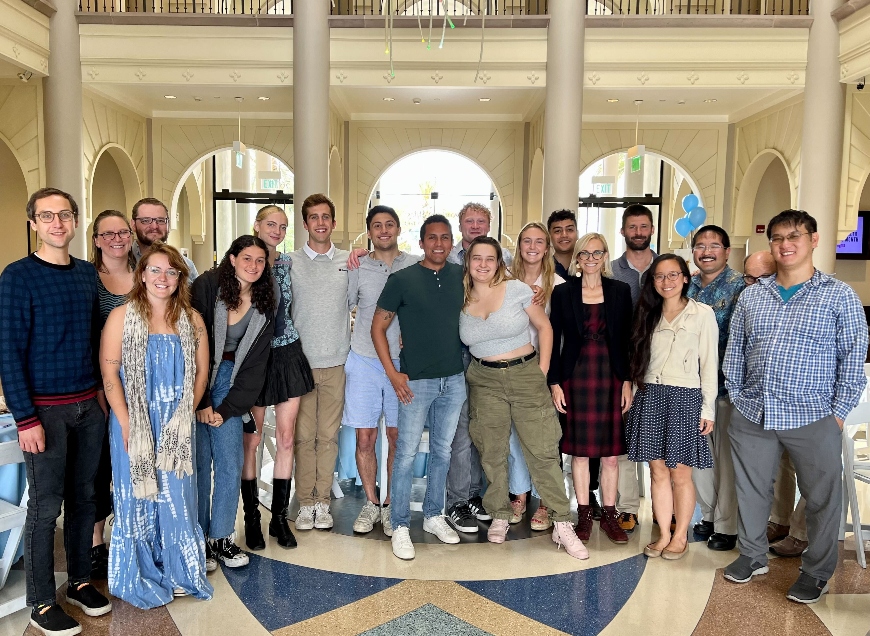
722, 542
703, 529
227, 551
86, 596
597, 510
461, 518
51, 620
743, 569
210, 560
807, 590
476, 506
100, 562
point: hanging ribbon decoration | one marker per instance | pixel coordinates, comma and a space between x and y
482, 32
444, 26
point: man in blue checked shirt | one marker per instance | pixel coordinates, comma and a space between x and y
794, 369
717, 286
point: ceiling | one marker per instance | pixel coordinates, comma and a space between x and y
7, 69
150, 99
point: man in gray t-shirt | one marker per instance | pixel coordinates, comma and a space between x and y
368, 392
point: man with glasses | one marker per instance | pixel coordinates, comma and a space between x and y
757, 266
151, 223
49, 348
638, 229
718, 286
794, 368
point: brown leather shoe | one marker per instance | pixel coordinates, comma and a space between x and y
584, 522
775, 532
789, 547
610, 526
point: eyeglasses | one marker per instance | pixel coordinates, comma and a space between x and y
794, 237
147, 221
670, 276
751, 280
47, 217
585, 256
108, 236
715, 247
156, 271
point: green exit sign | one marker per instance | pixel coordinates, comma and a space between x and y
269, 184
636, 163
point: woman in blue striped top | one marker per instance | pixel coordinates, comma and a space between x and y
113, 258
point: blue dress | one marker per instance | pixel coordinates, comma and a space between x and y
157, 546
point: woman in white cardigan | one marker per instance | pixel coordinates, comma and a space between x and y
674, 367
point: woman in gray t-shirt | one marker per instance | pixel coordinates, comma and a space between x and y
507, 381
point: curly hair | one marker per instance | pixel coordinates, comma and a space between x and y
501, 271
647, 316
180, 300
262, 291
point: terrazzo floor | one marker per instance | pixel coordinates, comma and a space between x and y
336, 583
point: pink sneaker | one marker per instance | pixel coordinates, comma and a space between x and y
564, 536
498, 530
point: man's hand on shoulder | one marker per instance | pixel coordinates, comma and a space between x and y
353, 259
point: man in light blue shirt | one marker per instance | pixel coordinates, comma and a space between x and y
794, 369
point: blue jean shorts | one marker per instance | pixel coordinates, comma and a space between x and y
368, 393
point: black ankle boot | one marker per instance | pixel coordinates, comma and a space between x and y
278, 527
251, 505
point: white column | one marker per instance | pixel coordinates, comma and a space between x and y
63, 116
564, 105
822, 136
310, 105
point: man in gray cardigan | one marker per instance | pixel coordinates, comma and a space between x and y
320, 314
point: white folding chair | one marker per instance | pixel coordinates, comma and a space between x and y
855, 470
12, 518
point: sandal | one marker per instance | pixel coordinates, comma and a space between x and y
541, 519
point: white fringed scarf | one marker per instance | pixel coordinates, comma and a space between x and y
174, 452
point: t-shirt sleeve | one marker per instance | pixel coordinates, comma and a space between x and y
391, 296
522, 292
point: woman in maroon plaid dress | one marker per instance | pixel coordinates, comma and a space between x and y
591, 315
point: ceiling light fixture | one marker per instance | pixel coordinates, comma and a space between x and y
169, 96
263, 98
389, 99
612, 100
485, 99
709, 101
417, 101
197, 99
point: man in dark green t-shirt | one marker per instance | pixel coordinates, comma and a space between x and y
427, 298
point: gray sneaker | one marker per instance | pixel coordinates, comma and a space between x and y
807, 590
305, 519
368, 517
743, 569
386, 521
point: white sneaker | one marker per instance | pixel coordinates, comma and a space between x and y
322, 518
368, 517
210, 560
305, 518
438, 526
227, 551
386, 520
402, 546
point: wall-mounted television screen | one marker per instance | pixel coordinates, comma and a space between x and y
856, 246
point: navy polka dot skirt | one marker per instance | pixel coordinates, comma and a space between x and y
663, 424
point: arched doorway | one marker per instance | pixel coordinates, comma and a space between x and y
217, 198
14, 238
766, 189
113, 185
434, 182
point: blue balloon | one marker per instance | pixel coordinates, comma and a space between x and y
683, 226
690, 202
697, 217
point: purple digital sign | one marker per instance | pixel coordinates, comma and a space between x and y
854, 243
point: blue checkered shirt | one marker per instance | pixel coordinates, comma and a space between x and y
721, 294
790, 364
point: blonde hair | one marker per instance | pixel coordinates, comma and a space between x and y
501, 270
265, 211
475, 207
548, 267
580, 245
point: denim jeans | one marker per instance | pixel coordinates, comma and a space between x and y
465, 475
519, 479
62, 474
220, 446
437, 401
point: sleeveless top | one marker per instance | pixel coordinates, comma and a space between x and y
108, 301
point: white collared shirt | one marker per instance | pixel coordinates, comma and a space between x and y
312, 254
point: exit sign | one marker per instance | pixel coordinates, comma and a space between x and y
240, 160
636, 163
602, 189
269, 184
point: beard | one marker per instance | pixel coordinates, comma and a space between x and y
638, 247
146, 241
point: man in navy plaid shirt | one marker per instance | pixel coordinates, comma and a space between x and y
794, 369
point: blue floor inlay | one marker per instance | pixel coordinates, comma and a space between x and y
426, 620
279, 594
580, 603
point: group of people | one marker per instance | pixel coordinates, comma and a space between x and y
141, 387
